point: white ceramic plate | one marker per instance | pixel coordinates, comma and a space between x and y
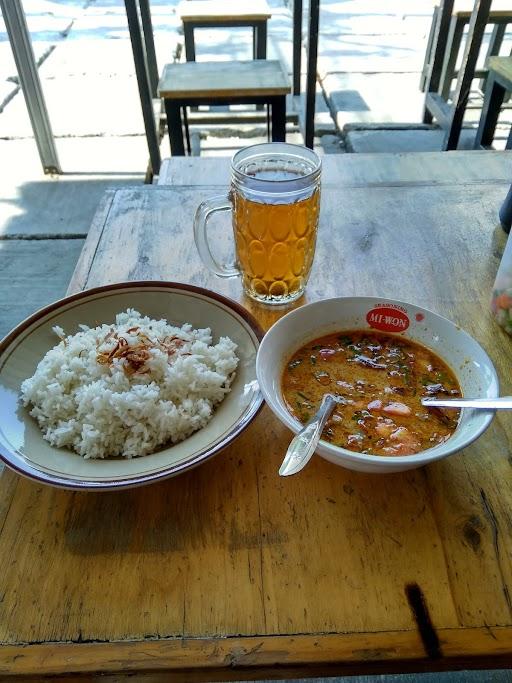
22, 446
472, 366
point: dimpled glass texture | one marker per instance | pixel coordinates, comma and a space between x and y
275, 219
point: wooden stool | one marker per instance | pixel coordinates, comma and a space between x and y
213, 14
219, 83
499, 82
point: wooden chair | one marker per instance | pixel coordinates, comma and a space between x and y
220, 83
499, 83
500, 16
451, 115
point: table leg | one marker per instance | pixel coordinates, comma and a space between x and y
494, 95
175, 128
190, 47
260, 38
450, 57
278, 105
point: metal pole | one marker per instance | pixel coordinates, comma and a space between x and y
147, 27
19, 38
144, 84
297, 44
314, 12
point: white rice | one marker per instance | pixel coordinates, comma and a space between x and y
100, 411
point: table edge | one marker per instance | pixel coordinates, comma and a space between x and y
393, 651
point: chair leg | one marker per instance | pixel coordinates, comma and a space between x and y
428, 51
494, 95
477, 24
450, 58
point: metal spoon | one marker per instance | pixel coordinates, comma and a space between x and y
303, 445
499, 403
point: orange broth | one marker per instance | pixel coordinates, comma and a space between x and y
381, 379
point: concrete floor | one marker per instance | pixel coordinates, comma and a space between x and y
370, 57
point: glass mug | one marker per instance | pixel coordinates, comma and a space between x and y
275, 200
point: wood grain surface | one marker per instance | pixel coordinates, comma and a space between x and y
204, 79
230, 572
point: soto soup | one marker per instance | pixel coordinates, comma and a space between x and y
380, 379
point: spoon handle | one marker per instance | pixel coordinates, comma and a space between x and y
303, 445
503, 402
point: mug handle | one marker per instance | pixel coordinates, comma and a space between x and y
203, 214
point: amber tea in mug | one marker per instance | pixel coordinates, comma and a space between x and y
275, 200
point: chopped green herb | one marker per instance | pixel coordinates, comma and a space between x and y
306, 398
312, 360
343, 339
293, 364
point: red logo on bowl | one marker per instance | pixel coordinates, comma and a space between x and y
387, 319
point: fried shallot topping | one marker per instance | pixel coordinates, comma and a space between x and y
135, 355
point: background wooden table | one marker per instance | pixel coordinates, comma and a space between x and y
228, 571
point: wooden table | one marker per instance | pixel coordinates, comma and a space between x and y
228, 571
259, 81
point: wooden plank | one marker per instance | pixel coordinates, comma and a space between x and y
350, 170
502, 66
253, 657
205, 10
207, 79
501, 9
439, 108
225, 571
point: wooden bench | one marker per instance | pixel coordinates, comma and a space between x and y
499, 83
207, 14
220, 83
